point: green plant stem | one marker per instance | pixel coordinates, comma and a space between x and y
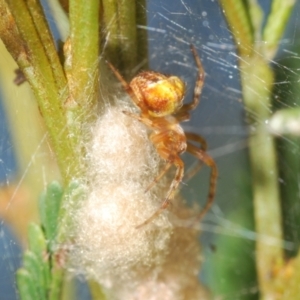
47, 42
289, 156
111, 30
276, 23
125, 44
84, 43
21, 38
61, 19
291, 288
141, 36
29, 33
257, 79
128, 32
81, 66
55, 290
237, 16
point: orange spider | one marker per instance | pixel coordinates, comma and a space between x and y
160, 98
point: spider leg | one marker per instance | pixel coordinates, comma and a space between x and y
182, 115
152, 123
143, 119
203, 156
197, 138
197, 90
176, 160
126, 86
203, 145
161, 174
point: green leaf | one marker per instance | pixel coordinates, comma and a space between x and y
36, 240
49, 209
38, 247
26, 285
36, 270
71, 200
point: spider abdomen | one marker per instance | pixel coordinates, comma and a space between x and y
162, 95
172, 139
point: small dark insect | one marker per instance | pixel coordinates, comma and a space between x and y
160, 99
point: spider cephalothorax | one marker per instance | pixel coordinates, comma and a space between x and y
160, 98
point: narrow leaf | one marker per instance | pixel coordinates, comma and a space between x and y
276, 24
36, 240
49, 209
26, 285
35, 268
71, 199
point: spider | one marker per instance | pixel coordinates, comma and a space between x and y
160, 100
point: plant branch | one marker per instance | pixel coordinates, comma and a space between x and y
238, 18
257, 81
141, 36
81, 66
21, 38
128, 33
84, 53
275, 26
47, 42
111, 31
